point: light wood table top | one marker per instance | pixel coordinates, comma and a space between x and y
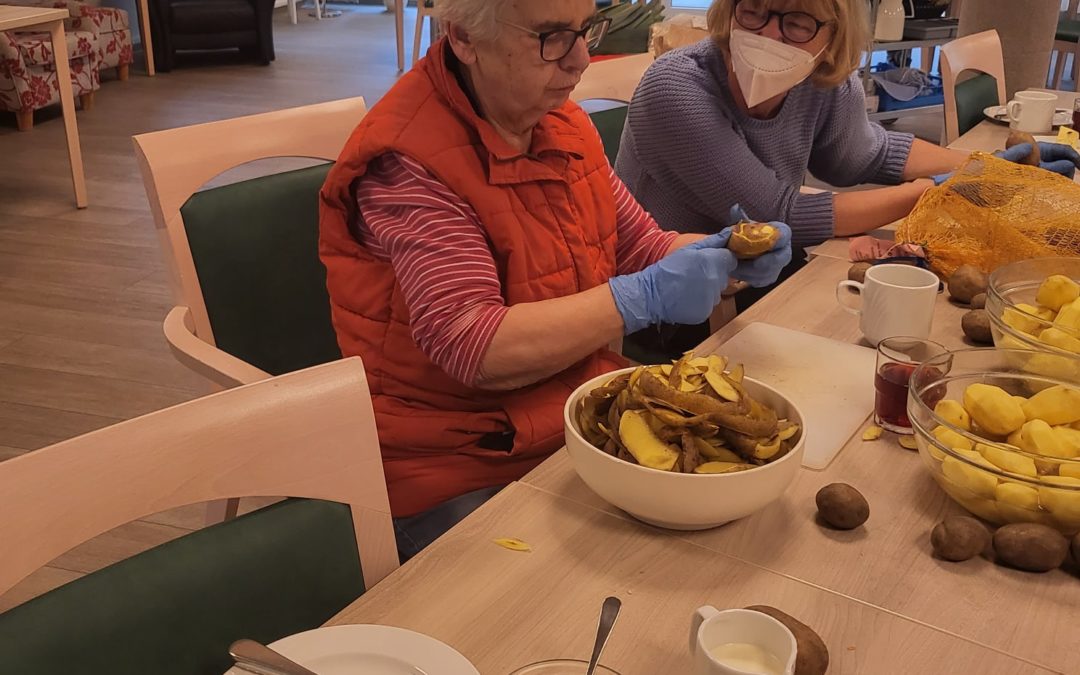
504, 609
887, 563
876, 595
13, 17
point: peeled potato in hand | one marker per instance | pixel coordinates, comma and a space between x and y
750, 240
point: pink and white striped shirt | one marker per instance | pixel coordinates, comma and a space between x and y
443, 262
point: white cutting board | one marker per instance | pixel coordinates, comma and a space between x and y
831, 382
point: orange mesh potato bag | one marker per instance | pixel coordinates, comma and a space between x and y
993, 212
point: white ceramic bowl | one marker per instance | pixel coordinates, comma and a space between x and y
681, 501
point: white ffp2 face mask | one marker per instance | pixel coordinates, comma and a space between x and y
765, 67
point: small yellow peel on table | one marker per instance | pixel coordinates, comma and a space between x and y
872, 433
514, 545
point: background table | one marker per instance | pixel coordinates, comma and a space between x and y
13, 18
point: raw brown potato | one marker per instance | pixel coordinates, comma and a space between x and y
979, 301
857, 272
1076, 548
967, 282
959, 538
976, 326
1031, 547
1019, 137
842, 506
750, 240
811, 654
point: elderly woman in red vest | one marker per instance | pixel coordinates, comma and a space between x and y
481, 254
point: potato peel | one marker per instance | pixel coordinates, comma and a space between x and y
872, 433
514, 545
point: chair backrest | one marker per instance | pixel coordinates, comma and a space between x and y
609, 123
965, 101
175, 608
244, 258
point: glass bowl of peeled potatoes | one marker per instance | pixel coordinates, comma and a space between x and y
1002, 441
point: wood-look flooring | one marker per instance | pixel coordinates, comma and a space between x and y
83, 293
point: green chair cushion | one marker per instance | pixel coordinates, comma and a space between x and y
610, 124
175, 609
972, 97
255, 247
1068, 30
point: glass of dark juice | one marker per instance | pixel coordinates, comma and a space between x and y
897, 358
1076, 114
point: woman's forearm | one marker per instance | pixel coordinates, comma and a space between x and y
927, 160
865, 210
539, 339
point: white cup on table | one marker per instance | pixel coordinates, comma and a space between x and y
1032, 111
896, 300
721, 642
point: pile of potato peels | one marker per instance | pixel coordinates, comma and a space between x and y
693, 416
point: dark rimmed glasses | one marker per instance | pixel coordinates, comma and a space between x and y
797, 27
556, 44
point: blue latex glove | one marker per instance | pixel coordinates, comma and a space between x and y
1055, 157
685, 286
681, 288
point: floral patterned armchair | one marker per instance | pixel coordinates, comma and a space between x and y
110, 26
28, 72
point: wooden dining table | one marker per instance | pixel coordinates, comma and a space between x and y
879, 599
14, 17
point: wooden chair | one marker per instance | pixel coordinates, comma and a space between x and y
250, 290
174, 609
425, 9
1067, 41
965, 100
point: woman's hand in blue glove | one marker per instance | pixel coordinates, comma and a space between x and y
684, 287
1056, 157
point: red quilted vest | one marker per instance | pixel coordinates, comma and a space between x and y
549, 216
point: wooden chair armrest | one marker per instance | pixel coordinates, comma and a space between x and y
205, 359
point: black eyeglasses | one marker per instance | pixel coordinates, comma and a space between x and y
797, 27
556, 44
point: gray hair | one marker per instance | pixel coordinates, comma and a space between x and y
479, 18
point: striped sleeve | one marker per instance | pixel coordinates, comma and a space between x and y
641, 242
441, 258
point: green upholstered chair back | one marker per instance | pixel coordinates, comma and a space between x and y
972, 97
255, 249
175, 609
610, 124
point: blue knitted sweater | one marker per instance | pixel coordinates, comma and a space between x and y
688, 152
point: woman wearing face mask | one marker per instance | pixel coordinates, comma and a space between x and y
741, 118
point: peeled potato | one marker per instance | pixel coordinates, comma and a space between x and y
750, 240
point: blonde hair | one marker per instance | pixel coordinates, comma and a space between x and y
850, 27
479, 18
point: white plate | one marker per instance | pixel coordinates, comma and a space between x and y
371, 650
996, 113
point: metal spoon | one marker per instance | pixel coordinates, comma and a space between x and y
608, 614
257, 658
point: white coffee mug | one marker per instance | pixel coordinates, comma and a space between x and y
722, 641
896, 300
1032, 111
